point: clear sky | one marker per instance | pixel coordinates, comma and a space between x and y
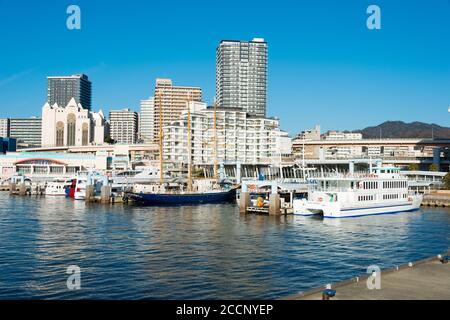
325, 66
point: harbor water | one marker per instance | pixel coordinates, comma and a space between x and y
196, 252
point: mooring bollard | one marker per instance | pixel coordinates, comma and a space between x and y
443, 260
328, 293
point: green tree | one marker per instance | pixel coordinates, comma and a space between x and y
413, 167
433, 167
109, 140
447, 181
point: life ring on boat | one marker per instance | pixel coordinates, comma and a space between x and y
320, 199
410, 199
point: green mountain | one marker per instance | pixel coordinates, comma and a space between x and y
400, 129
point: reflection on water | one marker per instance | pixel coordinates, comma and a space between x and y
211, 251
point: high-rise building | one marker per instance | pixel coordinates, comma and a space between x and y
27, 131
170, 101
123, 126
61, 89
4, 128
147, 120
240, 138
241, 75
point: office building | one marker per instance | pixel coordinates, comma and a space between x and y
241, 75
123, 126
147, 120
170, 101
27, 132
61, 89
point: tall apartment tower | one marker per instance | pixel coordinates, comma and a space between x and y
147, 120
61, 89
241, 76
170, 101
123, 125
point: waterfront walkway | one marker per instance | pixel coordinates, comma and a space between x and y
425, 280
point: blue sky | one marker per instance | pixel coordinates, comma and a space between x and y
325, 66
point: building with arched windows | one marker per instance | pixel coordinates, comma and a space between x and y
71, 125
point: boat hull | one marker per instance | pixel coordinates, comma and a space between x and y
334, 210
182, 199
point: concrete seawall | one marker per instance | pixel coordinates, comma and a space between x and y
427, 279
437, 199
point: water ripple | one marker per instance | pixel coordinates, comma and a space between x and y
205, 252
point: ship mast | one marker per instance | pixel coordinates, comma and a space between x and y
215, 142
161, 158
189, 145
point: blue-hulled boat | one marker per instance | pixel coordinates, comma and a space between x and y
218, 196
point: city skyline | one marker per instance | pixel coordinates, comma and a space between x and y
319, 60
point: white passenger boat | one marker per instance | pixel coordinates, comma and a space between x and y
57, 188
382, 191
80, 188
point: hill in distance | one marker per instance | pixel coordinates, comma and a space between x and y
400, 129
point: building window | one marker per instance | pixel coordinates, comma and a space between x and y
59, 134
71, 130
85, 135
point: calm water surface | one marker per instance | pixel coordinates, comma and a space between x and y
203, 252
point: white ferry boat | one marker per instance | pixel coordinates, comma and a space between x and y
382, 191
57, 188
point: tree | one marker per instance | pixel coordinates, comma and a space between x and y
413, 167
109, 140
447, 181
433, 167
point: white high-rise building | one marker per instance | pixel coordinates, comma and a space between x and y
71, 125
241, 75
240, 138
123, 126
4, 128
147, 120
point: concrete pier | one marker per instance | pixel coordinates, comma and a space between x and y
437, 199
89, 193
244, 202
22, 189
424, 280
12, 188
105, 194
274, 204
